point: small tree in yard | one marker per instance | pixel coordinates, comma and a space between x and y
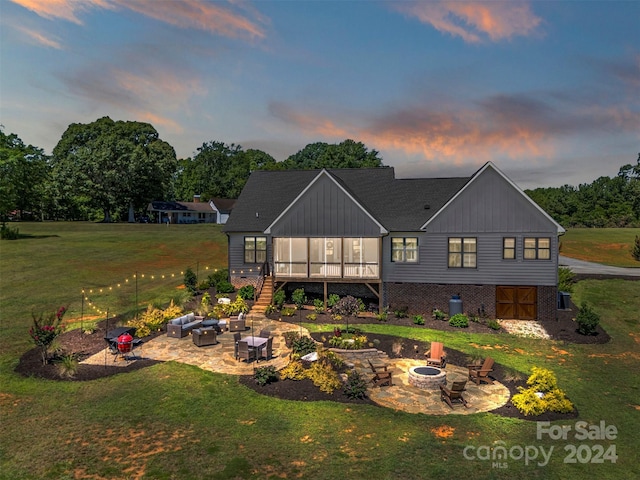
346, 306
190, 280
635, 250
45, 330
587, 320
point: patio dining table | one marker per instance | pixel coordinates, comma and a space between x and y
255, 342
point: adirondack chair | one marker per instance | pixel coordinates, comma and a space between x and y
480, 373
381, 375
436, 356
454, 394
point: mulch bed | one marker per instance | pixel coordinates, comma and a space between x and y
83, 345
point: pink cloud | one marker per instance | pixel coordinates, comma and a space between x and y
201, 15
40, 39
196, 14
64, 9
474, 21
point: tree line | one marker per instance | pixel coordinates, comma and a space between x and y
605, 202
110, 170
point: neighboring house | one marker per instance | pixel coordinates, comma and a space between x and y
183, 212
223, 207
398, 242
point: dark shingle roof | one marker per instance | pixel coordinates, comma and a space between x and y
398, 204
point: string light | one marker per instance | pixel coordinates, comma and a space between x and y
126, 282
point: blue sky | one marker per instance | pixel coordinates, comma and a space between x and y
549, 91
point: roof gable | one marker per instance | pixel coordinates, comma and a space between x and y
325, 207
492, 203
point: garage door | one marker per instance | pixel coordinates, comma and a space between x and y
517, 302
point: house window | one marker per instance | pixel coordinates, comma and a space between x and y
462, 252
255, 249
404, 249
509, 248
537, 248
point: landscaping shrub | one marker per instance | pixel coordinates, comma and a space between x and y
235, 307
438, 314
566, 279
67, 366
190, 280
332, 300
543, 395
218, 276
8, 233
299, 298
459, 320
493, 325
265, 375
224, 287
587, 320
324, 377
293, 371
349, 341
303, 345
289, 337
355, 386
287, 311
401, 312
204, 285
269, 309
247, 292
318, 305
382, 316
418, 319
330, 358
279, 298
312, 317
151, 320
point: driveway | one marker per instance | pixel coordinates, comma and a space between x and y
580, 266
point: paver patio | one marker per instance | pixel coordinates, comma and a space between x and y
220, 358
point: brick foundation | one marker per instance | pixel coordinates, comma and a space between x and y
423, 298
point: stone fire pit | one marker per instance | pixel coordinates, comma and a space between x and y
428, 378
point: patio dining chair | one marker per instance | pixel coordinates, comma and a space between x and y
245, 352
264, 333
236, 338
266, 352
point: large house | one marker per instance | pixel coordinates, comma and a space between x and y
412, 243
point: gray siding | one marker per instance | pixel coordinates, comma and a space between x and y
325, 210
491, 268
489, 209
236, 252
491, 204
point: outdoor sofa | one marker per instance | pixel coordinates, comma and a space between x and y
182, 326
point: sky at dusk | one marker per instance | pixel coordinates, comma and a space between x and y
547, 90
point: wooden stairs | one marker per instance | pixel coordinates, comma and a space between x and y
265, 298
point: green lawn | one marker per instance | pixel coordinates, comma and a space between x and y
611, 246
174, 421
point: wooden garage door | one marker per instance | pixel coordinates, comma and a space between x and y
517, 302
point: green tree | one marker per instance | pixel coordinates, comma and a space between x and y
113, 167
24, 171
635, 250
219, 170
348, 154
